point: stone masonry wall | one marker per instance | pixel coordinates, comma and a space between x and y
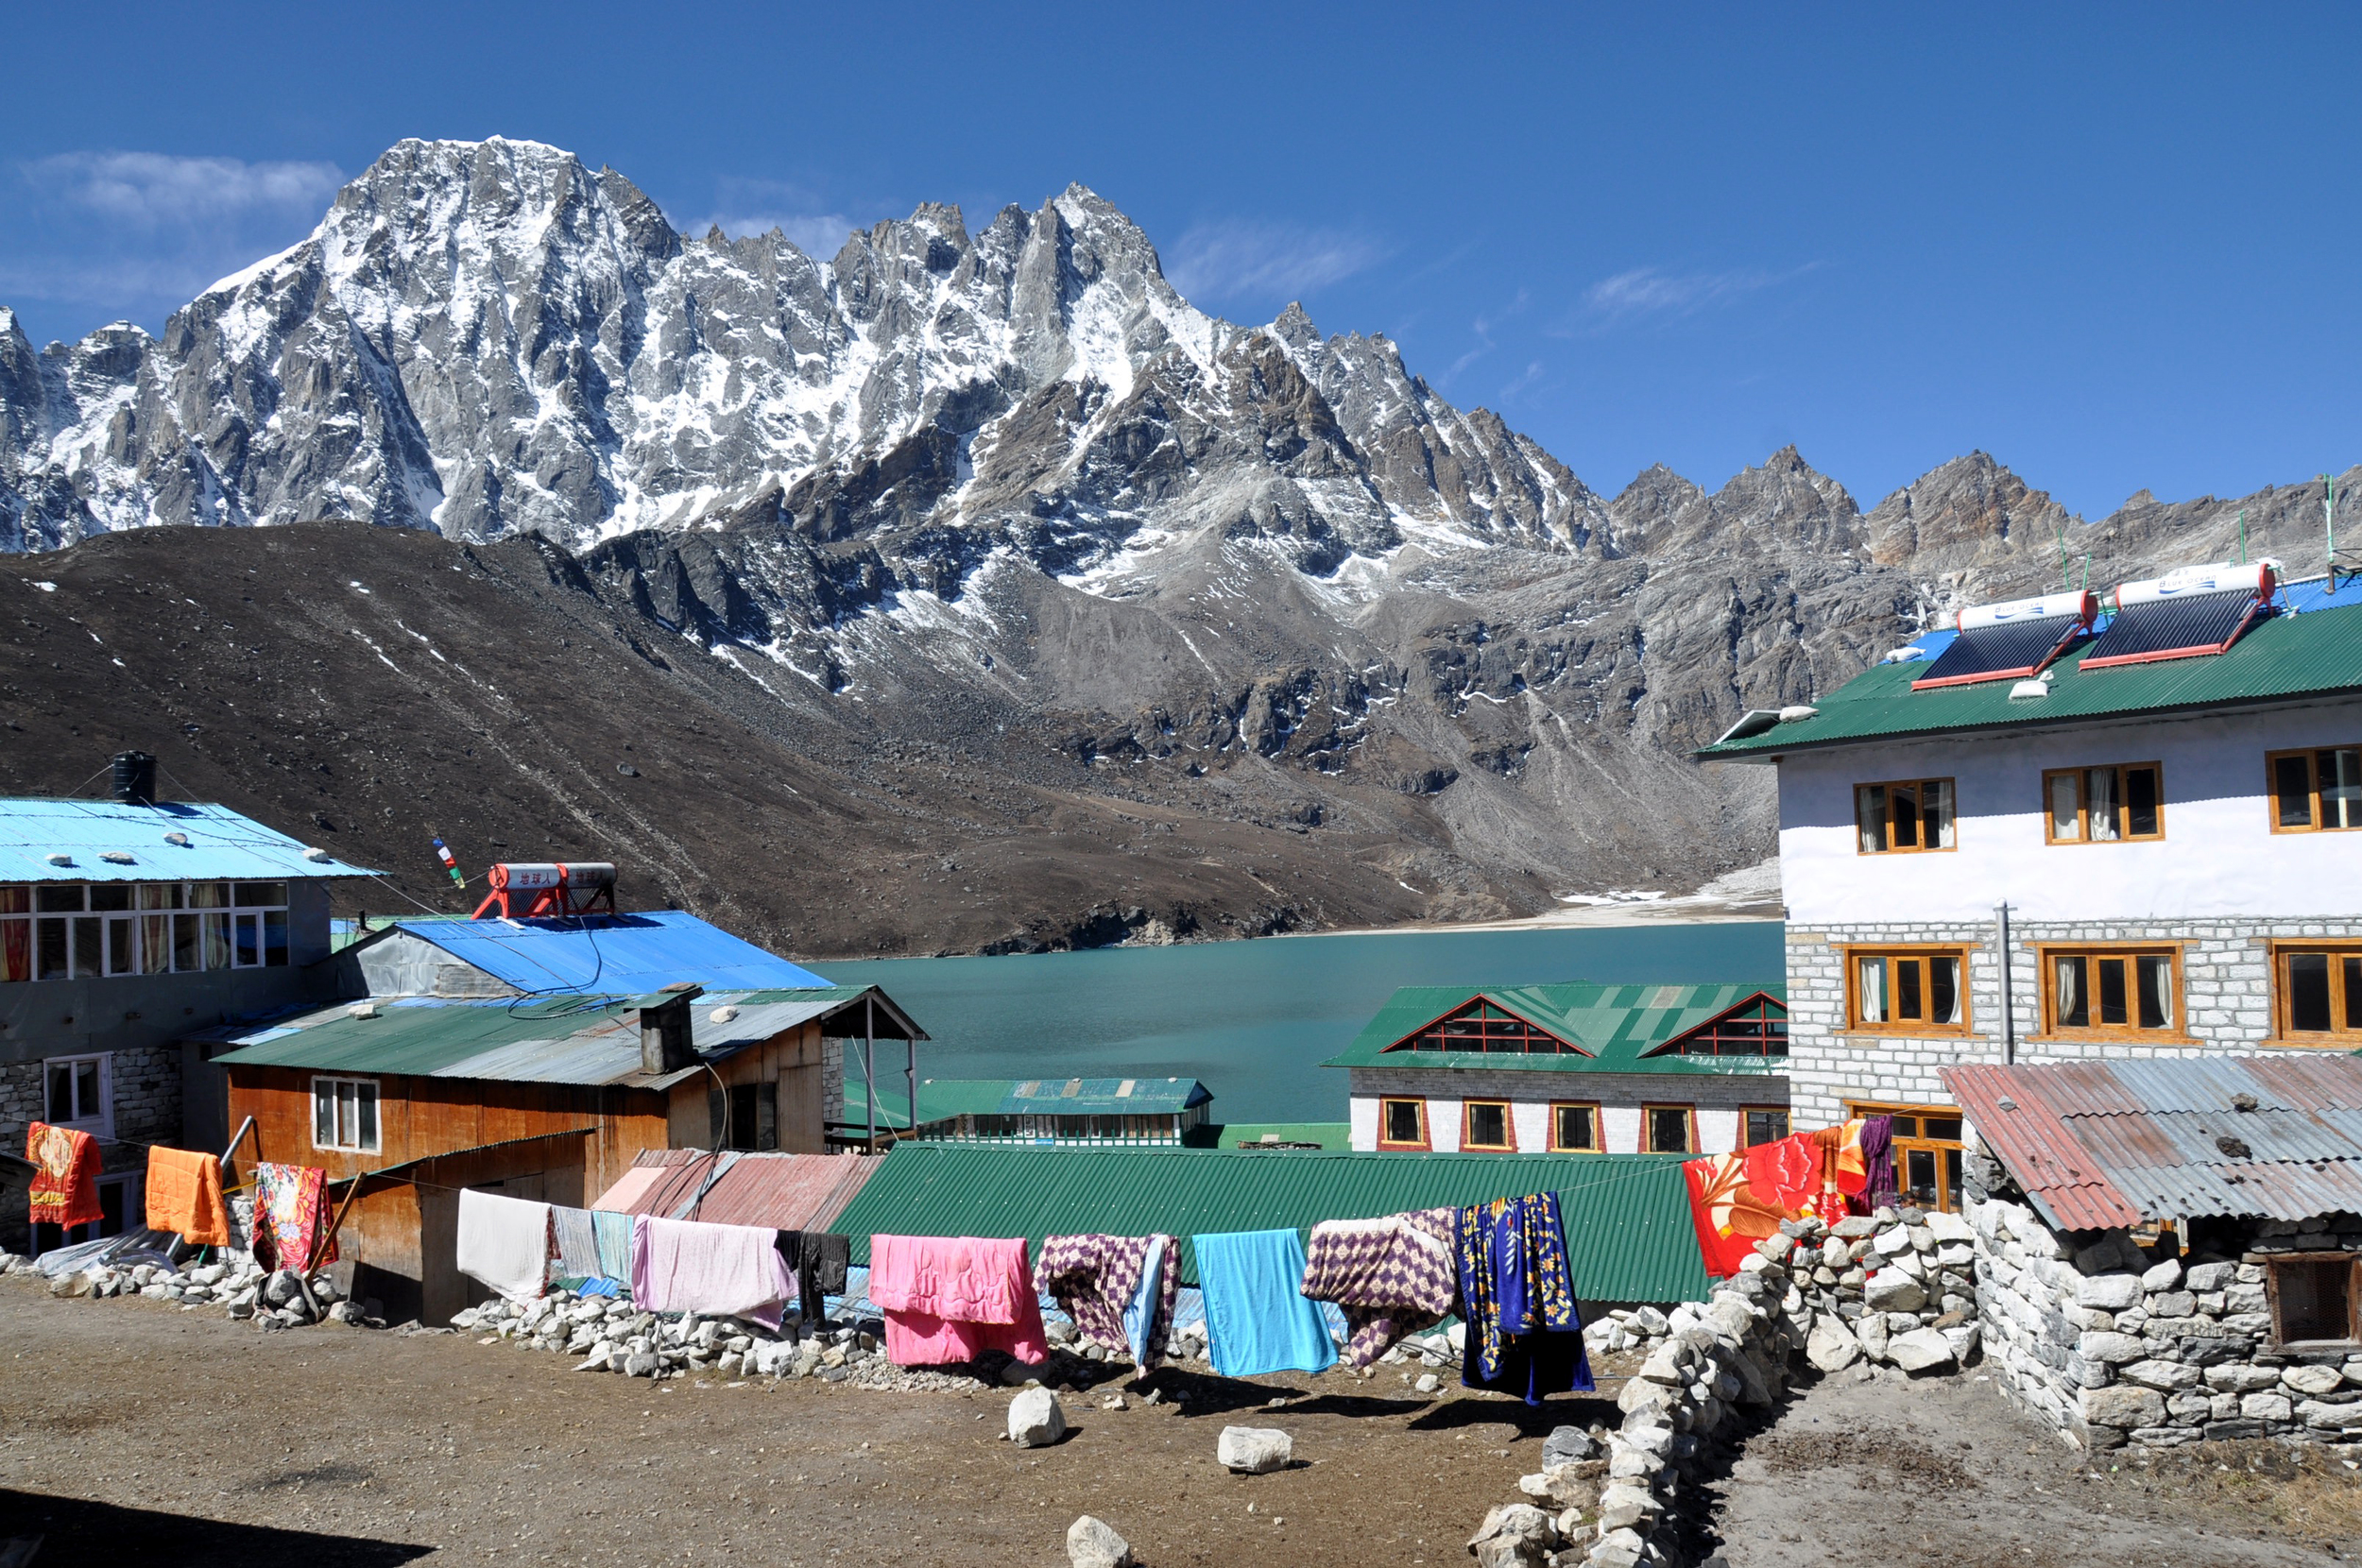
2110, 1346
2225, 977
146, 1086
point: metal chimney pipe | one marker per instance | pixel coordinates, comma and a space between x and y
2009, 1006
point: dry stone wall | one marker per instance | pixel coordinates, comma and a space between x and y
2110, 1346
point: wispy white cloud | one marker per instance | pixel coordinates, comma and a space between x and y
1648, 290
152, 189
1524, 378
1240, 259
1482, 326
744, 207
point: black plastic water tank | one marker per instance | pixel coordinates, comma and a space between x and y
135, 778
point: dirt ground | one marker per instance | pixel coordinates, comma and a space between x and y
133, 1432
1878, 1474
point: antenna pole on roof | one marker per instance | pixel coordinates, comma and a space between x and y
2066, 577
2087, 569
2243, 535
2329, 527
870, 1063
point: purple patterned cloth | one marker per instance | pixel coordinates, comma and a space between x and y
1093, 1278
1390, 1277
1878, 1158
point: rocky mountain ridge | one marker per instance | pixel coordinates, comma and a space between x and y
956, 508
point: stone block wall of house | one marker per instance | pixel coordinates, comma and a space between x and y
2110, 1345
143, 1086
2227, 1002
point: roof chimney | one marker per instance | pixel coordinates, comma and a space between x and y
666, 1045
135, 778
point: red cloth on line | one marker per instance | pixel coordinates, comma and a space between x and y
1785, 1174
290, 1213
952, 1298
1719, 1181
66, 1189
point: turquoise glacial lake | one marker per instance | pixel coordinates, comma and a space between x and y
1253, 1021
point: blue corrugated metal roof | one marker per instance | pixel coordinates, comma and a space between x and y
222, 846
645, 951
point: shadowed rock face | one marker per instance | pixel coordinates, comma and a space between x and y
958, 509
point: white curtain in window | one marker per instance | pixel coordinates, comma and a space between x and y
1938, 800
1869, 807
2070, 987
2341, 789
1943, 999
2101, 788
2157, 977
2065, 820
1872, 990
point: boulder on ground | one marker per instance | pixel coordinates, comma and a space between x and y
1255, 1450
1037, 1419
1921, 1350
1093, 1543
1514, 1535
1831, 1346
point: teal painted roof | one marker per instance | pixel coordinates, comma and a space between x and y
1328, 1134
940, 1099
1629, 1234
2315, 654
1617, 1024
548, 1040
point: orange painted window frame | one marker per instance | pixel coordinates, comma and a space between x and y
1648, 1125
1508, 1128
1599, 1135
1383, 1141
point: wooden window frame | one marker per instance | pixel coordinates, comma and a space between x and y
2313, 792
1744, 1111
1690, 1117
1905, 1143
1905, 1027
377, 1097
1598, 1128
1420, 1102
2083, 805
2272, 1298
2278, 951
2177, 1027
1953, 791
1508, 1128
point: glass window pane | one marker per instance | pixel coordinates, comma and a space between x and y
367, 1126
1943, 990
2066, 814
1669, 1129
2141, 803
1574, 1128
2292, 785
50, 950
324, 1113
1871, 990
16, 900
1951, 1179
111, 896
51, 899
209, 895
2353, 978
1941, 1127
347, 1119
264, 893
2342, 787
1936, 813
122, 947
155, 943
16, 950
1903, 808
217, 941
1488, 1125
1402, 1121
1919, 1175
158, 895
249, 948
2070, 999
2112, 992
275, 937
86, 1100
2156, 988
2308, 992
2099, 794
1906, 989
187, 955
60, 1095
87, 944
1870, 811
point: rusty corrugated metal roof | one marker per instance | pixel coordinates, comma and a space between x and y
782, 1192
2101, 1144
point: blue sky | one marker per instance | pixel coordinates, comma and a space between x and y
2116, 247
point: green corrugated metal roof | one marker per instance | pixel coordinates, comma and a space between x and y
1617, 1024
2317, 653
1628, 1235
943, 1097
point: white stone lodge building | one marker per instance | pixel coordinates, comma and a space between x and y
2058, 834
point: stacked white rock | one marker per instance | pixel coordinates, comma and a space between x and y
1896, 1287
2110, 1347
